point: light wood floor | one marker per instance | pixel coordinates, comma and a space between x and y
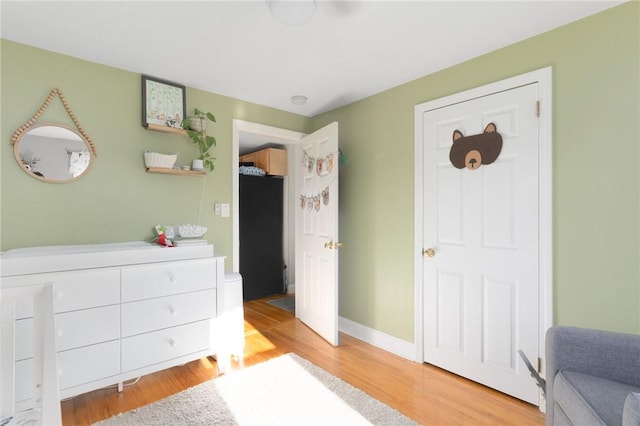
427, 394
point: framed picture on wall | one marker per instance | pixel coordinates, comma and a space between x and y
163, 102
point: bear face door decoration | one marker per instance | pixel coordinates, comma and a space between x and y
475, 150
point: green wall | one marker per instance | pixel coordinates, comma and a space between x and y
117, 200
596, 176
596, 167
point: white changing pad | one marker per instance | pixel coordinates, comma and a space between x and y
43, 259
73, 249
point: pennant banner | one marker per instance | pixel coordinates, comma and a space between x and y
321, 165
313, 202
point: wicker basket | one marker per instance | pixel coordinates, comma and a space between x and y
191, 231
155, 159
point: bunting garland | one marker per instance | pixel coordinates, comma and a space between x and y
323, 166
313, 202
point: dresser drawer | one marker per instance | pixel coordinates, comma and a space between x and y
153, 314
71, 290
163, 345
163, 279
87, 327
24, 305
86, 289
73, 329
84, 365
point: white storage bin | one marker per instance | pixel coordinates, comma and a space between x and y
156, 159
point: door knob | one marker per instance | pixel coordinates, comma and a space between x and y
428, 252
331, 245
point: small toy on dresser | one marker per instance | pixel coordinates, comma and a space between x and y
179, 235
162, 238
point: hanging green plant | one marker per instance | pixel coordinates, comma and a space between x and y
197, 132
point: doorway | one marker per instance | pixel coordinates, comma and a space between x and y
249, 137
311, 228
483, 234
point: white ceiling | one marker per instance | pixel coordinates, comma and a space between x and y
346, 52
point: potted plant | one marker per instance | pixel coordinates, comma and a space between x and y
195, 126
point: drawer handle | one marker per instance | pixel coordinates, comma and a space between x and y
172, 311
172, 279
172, 342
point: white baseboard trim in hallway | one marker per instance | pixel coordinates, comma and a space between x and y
377, 338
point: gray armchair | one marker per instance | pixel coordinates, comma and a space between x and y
593, 377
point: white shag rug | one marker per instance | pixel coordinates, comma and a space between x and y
287, 390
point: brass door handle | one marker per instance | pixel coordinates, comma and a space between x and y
331, 245
428, 252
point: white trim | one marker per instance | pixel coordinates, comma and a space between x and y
545, 217
377, 338
418, 229
544, 79
283, 136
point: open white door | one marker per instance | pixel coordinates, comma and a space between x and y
317, 232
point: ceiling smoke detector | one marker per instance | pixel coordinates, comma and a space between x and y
299, 100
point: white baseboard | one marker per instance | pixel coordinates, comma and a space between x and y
291, 289
377, 338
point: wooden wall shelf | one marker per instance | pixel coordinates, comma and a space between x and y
175, 171
166, 129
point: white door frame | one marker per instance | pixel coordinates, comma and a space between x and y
543, 78
282, 136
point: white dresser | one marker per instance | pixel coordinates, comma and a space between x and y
121, 310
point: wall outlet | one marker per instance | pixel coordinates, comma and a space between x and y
216, 209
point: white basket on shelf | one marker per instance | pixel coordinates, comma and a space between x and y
156, 159
191, 231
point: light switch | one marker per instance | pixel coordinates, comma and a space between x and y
224, 208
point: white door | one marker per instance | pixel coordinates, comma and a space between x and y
481, 264
317, 232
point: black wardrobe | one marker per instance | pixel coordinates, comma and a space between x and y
261, 252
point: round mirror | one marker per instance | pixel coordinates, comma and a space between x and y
53, 153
